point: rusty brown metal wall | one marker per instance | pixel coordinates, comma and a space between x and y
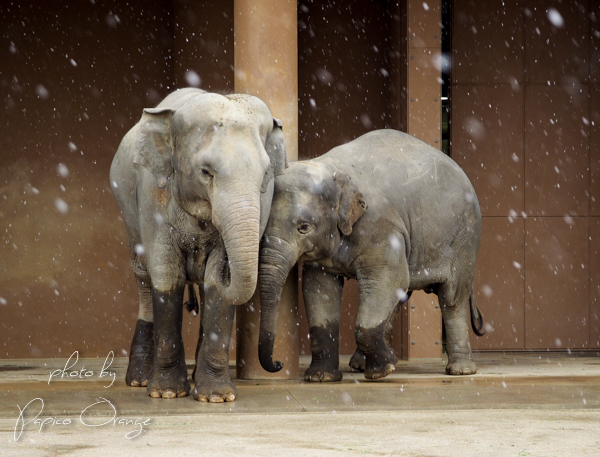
525, 114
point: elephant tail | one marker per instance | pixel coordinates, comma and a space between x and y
192, 304
476, 318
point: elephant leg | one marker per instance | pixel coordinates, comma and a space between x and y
454, 302
169, 372
141, 355
358, 360
377, 302
212, 379
322, 293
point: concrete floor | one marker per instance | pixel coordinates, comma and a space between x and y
534, 404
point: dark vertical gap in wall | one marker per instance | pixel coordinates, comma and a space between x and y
590, 31
524, 98
398, 67
446, 95
345, 71
446, 74
170, 45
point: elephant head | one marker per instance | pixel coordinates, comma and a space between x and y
216, 156
313, 209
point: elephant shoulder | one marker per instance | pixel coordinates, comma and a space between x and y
126, 147
123, 171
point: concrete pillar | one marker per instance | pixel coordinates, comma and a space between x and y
417, 35
421, 315
266, 65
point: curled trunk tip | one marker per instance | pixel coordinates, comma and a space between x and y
266, 357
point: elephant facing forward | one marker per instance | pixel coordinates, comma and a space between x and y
390, 211
193, 179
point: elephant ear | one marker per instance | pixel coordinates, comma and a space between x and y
352, 204
154, 143
275, 147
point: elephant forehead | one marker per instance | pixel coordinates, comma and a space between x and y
217, 111
305, 179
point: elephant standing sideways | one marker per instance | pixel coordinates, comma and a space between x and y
193, 179
390, 211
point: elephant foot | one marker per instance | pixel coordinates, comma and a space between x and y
380, 361
214, 391
322, 374
169, 383
380, 364
139, 369
461, 367
358, 361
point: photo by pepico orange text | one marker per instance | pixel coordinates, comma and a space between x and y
90, 417
69, 373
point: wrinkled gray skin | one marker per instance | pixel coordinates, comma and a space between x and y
193, 179
390, 211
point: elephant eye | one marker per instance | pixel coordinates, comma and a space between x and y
304, 227
207, 173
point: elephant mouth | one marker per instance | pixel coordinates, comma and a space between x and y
224, 271
311, 255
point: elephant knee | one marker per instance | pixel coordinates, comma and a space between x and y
167, 281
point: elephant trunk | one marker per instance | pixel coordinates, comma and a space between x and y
239, 225
275, 265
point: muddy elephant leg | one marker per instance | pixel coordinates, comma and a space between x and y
323, 296
141, 355
455, 314
169, 373
378, 300
212, 379
358, 360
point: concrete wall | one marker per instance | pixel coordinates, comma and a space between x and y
75, 77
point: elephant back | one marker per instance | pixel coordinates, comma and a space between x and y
397, 172
392, 159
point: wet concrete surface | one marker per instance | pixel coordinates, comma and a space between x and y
517, 404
